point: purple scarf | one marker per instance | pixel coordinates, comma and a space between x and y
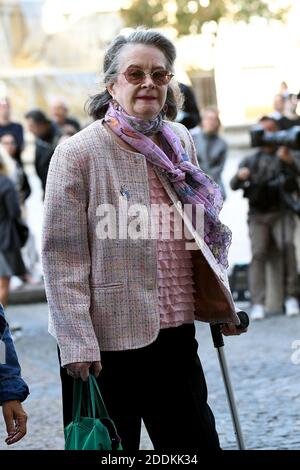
190, 183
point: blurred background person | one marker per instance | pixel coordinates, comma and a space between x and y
278, 107
11, 261
284, 89
291, 104
211, 148
260, 176
189, 115
60, 115
68, 130
13, 389
7, 125
47, 135
283, 122
10, 145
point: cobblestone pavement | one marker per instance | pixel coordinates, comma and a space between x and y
265, 382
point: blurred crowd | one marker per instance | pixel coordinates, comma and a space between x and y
18, 253
259, 176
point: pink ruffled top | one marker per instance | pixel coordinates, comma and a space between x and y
175, 267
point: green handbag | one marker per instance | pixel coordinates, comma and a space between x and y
89, 432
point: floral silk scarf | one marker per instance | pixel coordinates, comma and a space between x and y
190, 183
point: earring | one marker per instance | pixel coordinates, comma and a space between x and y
115, 103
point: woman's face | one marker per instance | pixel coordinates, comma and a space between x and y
9, 143
146, 99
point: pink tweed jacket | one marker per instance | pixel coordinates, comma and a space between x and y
102, 293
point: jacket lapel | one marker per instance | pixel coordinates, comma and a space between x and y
213, 299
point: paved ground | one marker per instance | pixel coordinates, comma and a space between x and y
266, 383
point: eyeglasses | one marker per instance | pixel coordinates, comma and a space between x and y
137, 76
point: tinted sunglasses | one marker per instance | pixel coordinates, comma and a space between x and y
137, 76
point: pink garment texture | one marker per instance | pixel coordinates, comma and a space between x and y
175, 267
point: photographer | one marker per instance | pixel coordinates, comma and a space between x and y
269, 180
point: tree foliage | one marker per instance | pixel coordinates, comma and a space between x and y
188, 16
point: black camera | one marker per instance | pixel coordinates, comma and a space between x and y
289, 138
284, 187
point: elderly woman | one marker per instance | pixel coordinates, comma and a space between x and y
121, 301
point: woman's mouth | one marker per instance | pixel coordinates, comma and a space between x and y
146, 98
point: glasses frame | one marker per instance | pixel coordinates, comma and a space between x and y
168, 76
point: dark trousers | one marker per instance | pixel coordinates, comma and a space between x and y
162, 384
263, 229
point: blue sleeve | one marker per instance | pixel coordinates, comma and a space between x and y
12, 386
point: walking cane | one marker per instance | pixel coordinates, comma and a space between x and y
219, 345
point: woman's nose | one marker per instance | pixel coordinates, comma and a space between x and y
148, 81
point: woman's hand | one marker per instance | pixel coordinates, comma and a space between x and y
15, 419
82, 369
229, 329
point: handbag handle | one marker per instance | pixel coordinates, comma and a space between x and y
95, 401
77, 399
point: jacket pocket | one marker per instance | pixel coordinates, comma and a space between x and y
113, 285
108, 310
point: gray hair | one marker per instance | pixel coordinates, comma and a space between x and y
98, 104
